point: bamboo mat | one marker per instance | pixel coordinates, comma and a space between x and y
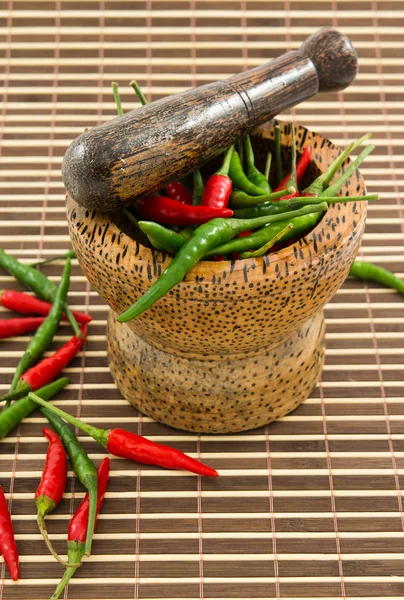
310, 507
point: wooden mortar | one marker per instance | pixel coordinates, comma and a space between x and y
238, 343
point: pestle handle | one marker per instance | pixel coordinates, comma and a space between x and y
110, 165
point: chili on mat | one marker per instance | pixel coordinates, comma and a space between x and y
37, 281
8, 547
46, 261
11, 417
82, 465
29, 305
371, 272
52, 485
12, 327
44, 334
78, 527
132, 446
45, 371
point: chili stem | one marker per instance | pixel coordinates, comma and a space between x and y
329, 174
333, 189
117, 98
224, 170
249, 152
369, 271
72, 320
136, 87
261, 251
293, 179
68, 574
100, 435
321, 183
268, 165
43, 531
131, 217
68, 254
278, 153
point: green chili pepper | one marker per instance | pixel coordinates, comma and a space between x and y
198, 188
268, 165
44, 334
68, 254
240, 150
322, 182
25, 406
368, 271
253, 174
83, 467
167, 239
239, 178
264, 249
37, 281
301, 225
203, 242
272, 208
186, 232
335, 187
278, 153
240, 199
117, 98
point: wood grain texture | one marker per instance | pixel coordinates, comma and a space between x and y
221, 311
107, 167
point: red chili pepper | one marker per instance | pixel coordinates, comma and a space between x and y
218, 258
48, 369
52, 485
8, 547
171, 212
176, 191
132, 446
219, 186
135, 447
288, 196
11, 327
301, 167
77, 532
28, 305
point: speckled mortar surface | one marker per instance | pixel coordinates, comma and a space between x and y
237, 343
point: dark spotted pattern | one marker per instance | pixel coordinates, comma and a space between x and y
216, 396
226, 310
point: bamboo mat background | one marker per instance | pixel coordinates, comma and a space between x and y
310, 507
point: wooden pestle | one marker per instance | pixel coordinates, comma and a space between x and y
110, 165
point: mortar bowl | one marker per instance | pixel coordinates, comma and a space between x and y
238, 343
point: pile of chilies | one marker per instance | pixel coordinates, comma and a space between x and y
235, 213
40, 375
